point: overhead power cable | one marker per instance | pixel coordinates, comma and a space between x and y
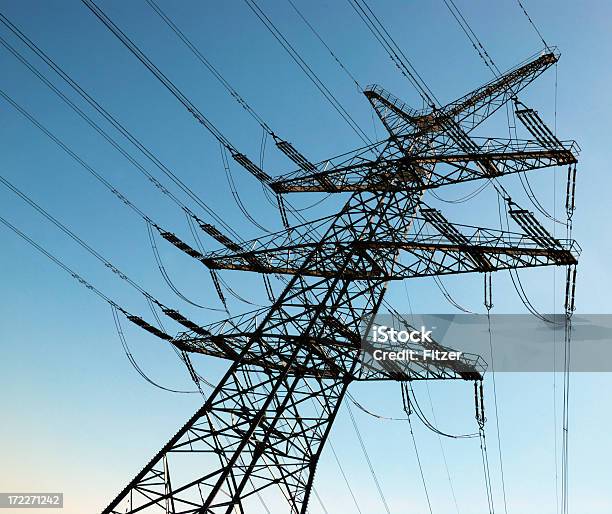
464, 198
73, 236
448, 474
382, 35
514, 276
59, 263
480, 420
331, 52
110, 118
368, 460
284, 146
167, 235
114, 306
531, 22
308, 71
408, 410
488, 60
79, 278
420, 414
166, 276
169, 84
83, 244
338, 462
236, 194
151, 300
92, 171
346, 480
501, 191
134, 363
74, 156
102, 132
206, 62
445, 292
176, 92
471, 35
488, 303
490, 63
239, 157
534, 200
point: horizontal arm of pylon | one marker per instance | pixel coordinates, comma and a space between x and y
472, 109
466, 367
394, 114
468, 111
226, 341
456, 249
407, 172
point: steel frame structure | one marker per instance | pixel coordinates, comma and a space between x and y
265, 424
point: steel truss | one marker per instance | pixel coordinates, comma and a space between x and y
264, 426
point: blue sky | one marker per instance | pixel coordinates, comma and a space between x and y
78, 419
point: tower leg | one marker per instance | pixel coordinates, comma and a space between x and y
256, 431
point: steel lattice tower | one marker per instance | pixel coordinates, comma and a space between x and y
266, 422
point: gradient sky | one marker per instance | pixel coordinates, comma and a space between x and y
77, 418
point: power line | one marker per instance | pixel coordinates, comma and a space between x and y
63, 266
448, 474
408, 410
284, 146
420, 414
118, 194
346, 481
102, 132
134, 363
368, 460
239, 157
74, 156
393, 50
106, 115
168, 83
488, 302
83, 244
176, 92
236, 194
308, 71
72, 235
166, 276
482, 52
331, 52
480, 420
501, 191
114, 306
531, 22
471, 35
213, 70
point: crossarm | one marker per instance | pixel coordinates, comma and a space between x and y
406, 172
422, 255
472, 109
468, 111
227, 343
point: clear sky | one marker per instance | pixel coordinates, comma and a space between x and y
77, 418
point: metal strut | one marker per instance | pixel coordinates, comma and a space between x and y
262, 430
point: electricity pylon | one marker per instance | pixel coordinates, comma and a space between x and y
265, 424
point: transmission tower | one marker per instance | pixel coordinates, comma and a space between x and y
265, 424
